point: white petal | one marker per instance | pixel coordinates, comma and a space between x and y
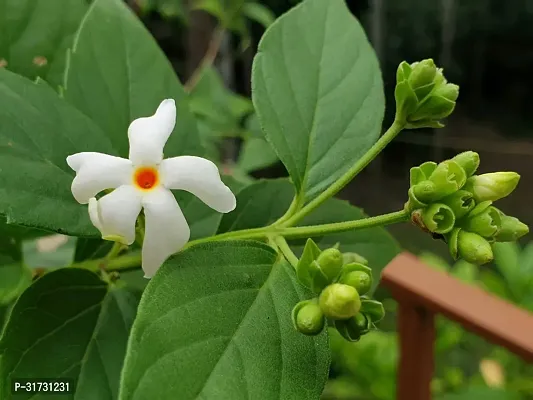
116, 213
199, 177
148, 135
166, 230
96, 172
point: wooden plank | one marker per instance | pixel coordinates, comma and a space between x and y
416, 328
412, 282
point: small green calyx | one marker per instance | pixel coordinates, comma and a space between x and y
116, 238
460, 202
348, 258
423, 95
492, 186
486, 223
307, 318
339, 301
438, 218
330, 262
353, 328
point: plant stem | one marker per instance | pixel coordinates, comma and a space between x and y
207, 60
115, 250
274, 233
337, 227
286, 250
383, 141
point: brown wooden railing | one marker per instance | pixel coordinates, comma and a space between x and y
422, 292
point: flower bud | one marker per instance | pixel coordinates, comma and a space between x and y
422, 77
373, 310
423, 192
361, 281
447, 178
473, 248
308, 318
422, 172
493, 186
469, 161
460, 202
330, 262
339, 301
353, 328
486, 223
438, 218
437, 106
350, 257
511, 229
358, 276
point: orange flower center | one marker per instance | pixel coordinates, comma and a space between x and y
146, 177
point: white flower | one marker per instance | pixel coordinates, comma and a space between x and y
144, 181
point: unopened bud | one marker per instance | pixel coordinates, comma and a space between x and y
422, 77
351, 257
460, 202
486, 223
493, 186
474, 248
511, 229
361, 281
469, 161
308, 318
330, 262
339, 301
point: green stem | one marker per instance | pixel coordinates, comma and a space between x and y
337, 227
279, 235
383, 141
286, 250
115, 250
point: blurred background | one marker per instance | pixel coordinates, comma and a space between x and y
486, 47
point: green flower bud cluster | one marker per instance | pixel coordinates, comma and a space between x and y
340, 282
423, 96
455, 205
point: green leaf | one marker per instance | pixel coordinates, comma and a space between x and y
481, 392
35, 36
38, 131
220, 108
264, 202
68, 324
259, 13
318, 92
117, 73
218, 316
14, 279
49, 251
258, 205
91, 248
256, 154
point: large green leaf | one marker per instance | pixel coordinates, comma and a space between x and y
14, 278
38, 130
258, 205
265, 201
68, 324
214, 323
318, 91
117, 73
35, 36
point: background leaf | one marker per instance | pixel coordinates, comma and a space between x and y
68, 324
316, 110
35, 36
218, 316
125, 79
38, 131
